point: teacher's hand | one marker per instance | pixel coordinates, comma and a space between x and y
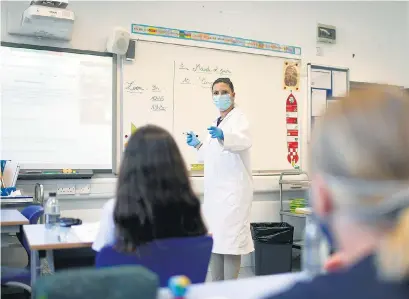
216, 132
192, 140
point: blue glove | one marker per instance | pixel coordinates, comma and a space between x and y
191, 139
216, 132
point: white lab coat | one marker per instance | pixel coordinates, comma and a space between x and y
106, 233
228, 185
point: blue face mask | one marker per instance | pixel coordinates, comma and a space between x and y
395, 192
222, 102
326, 231
324, 226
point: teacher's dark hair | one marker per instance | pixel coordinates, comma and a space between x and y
226, 81
154, 198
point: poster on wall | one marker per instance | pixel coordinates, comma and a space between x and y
291, 75
292, 131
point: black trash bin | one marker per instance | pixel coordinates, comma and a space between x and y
273, 247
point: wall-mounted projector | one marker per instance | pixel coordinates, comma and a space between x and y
47, 19
59, 4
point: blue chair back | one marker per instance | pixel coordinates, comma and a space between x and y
110, 283
33, 214
167, 257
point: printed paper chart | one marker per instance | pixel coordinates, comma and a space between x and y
292, 131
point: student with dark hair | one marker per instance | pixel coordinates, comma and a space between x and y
228, 186
154, 198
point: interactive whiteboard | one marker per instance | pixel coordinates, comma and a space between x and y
56, 109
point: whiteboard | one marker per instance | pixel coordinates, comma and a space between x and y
170, 85
56, 109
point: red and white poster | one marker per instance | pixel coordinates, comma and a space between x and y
292, 131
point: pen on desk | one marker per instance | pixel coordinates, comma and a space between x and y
187, 133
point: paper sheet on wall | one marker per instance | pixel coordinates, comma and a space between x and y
86, 232
321, 78
339, 84
318, 102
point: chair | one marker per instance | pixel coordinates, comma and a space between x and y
21, 277
110, 283
33, 214
166, 257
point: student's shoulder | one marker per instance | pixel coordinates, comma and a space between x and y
337, 285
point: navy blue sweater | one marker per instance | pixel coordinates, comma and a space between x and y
358, 282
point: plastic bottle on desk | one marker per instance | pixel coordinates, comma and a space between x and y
52, 211
315, 249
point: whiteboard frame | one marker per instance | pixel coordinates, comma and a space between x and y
225, 48
310, 67
117, 109
114, 89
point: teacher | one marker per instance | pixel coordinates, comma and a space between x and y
228, 185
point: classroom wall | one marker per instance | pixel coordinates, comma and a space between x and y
372, 31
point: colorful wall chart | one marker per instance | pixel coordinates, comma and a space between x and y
213, 38
292, 131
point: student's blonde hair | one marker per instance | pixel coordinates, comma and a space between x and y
365, 138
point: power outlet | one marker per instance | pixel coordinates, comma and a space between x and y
83, 189
320, 51
66, 190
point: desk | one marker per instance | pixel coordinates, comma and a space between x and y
305, 211
40, 238
11, 220
250, 288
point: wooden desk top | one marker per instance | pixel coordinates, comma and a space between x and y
12, 218
40, 238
